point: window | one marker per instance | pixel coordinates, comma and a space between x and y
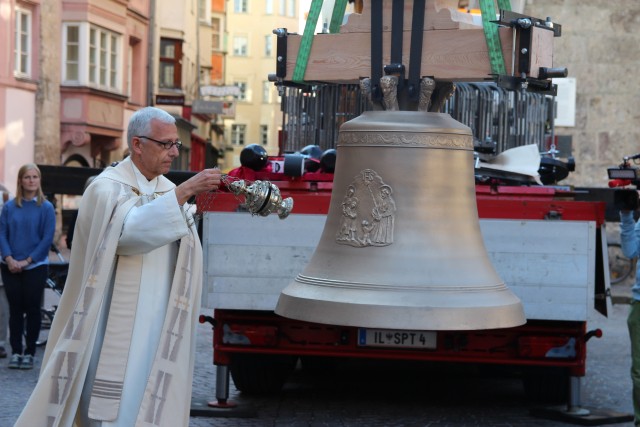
240, 45
268, 45
283, 7
202, 10
241, 6
291, 8
170, 68
243, 91
72, 54
268, 10
22, 48
264, 134
266, 91
216, 31
103, 58
136, 73
238, 134
129, 69
113, 61
92, 56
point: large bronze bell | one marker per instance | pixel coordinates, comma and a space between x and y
401, 246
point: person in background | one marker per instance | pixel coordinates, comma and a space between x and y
4, 305
121, 347
27, 225
630, 244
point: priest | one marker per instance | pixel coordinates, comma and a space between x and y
121, 348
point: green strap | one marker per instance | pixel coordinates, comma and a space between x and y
337, 16
504, 5
491, 35
306, 41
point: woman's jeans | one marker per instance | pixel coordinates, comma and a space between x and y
24, 293
4, 317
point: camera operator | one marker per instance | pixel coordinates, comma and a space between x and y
627, 202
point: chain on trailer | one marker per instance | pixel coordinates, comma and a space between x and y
312, 115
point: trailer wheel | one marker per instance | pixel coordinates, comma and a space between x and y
260, 373
547, 385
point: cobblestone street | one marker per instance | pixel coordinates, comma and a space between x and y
368, 396
375, 398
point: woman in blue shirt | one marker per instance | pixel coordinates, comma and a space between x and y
27, 225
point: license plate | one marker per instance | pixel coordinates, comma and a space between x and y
396, 338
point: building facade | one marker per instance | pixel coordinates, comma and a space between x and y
250, 60
20, 74
103, 54
180, 64
601, 49
73, 72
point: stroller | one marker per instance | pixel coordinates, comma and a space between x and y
54, 286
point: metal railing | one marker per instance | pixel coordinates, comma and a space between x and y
509, 118
313, 115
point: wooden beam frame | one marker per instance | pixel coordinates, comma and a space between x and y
453, 49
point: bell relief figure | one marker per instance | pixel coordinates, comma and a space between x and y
383, 215
368, 212
348, 226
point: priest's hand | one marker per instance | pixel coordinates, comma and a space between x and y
204, 181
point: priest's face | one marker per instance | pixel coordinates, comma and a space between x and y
157, 150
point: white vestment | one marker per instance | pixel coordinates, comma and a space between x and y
140, 235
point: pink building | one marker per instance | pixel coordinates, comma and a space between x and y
96, 78
19, 74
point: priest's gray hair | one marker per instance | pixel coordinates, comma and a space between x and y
140, 122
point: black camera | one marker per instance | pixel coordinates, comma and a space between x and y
623, 175
626, 171
626, 199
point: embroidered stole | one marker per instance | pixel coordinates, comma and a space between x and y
107, 386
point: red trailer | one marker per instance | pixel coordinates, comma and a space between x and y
547, 246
